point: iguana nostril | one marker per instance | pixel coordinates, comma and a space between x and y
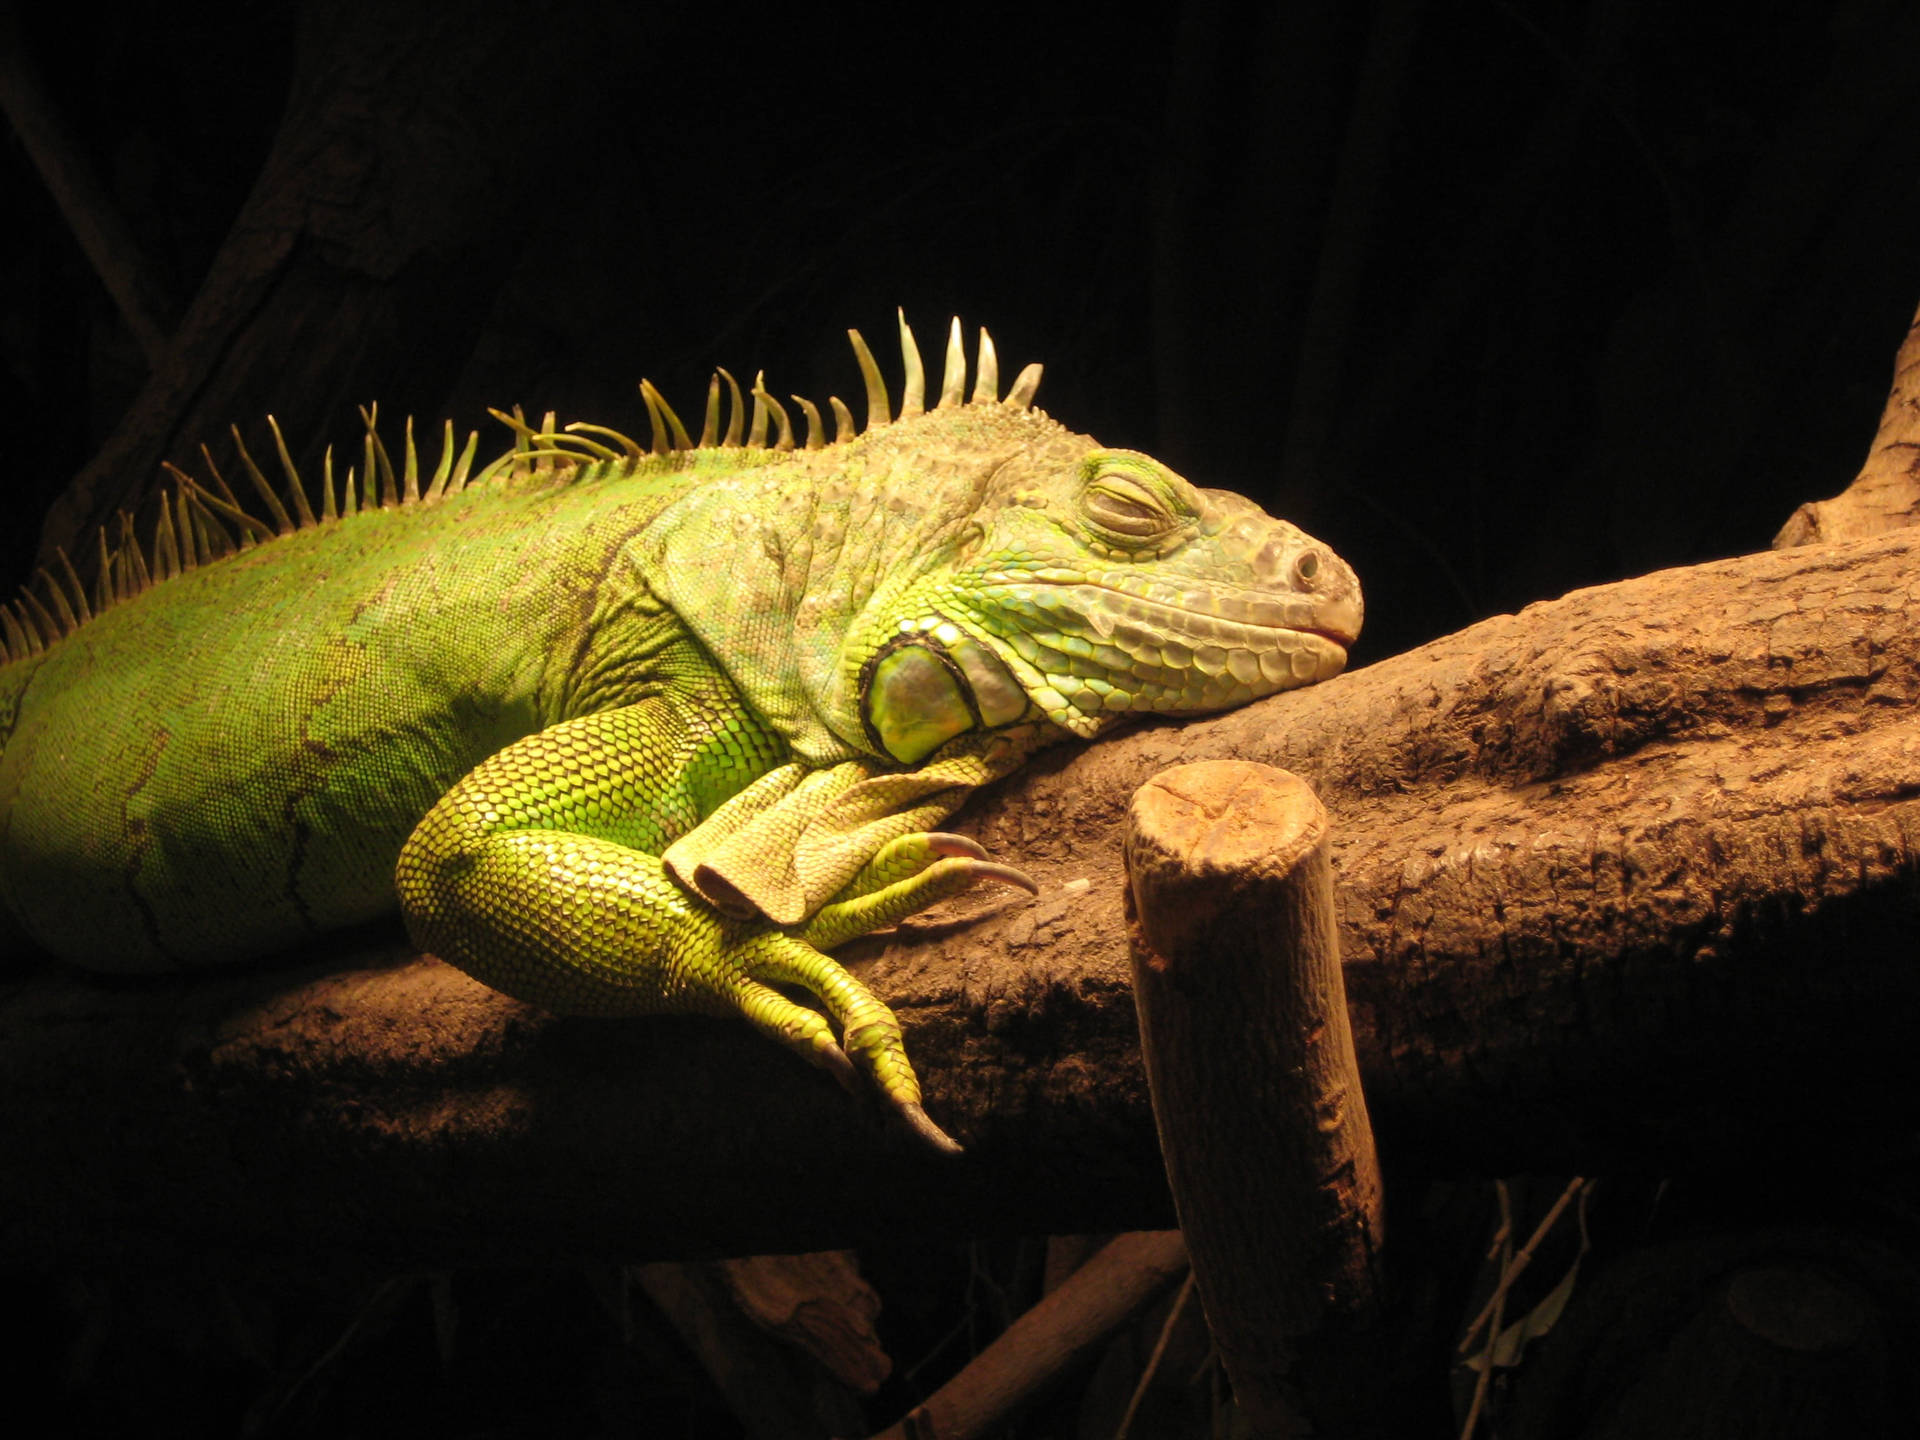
1306, 569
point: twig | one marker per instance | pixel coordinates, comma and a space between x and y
1496, 1307
1153, 1360
1520, 1262
1098, 1297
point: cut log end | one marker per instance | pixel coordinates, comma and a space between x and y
1199, 834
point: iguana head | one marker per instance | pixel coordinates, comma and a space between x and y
1089, 584
977, 565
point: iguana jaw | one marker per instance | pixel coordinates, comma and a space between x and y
1191, 614
1098, 652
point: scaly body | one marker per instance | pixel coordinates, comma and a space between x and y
624, 731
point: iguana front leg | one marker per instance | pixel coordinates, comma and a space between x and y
539, 874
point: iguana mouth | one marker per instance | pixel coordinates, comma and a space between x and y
1152, 615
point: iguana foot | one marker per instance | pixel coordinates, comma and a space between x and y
905, 876
870, 1035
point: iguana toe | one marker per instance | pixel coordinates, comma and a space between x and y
859, 911
832, 1059
1005, 875
870, 1036
965, 847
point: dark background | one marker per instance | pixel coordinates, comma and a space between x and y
1498, 299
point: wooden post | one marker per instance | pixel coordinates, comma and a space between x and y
1256, 1091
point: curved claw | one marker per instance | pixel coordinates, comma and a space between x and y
832, 1059
948, 845
1005, 874
922, 1126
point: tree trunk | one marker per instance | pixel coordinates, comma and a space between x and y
1625, 881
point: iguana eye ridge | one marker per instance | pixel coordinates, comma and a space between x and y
1124, 507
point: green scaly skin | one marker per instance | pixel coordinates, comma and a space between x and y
628, 733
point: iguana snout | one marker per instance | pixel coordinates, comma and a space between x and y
1303, 584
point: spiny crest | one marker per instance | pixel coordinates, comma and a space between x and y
766, 424
201, 521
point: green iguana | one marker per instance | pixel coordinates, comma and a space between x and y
627, 730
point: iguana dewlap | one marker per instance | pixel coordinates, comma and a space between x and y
627, 731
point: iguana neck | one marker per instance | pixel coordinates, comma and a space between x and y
774, 569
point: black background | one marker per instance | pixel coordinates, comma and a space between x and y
1499, 299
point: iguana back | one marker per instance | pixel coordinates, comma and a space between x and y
229, 762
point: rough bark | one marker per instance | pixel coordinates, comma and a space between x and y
720, 1310
1761, 1334
129, 275
1626, 881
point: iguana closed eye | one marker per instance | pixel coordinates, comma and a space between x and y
624, 729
